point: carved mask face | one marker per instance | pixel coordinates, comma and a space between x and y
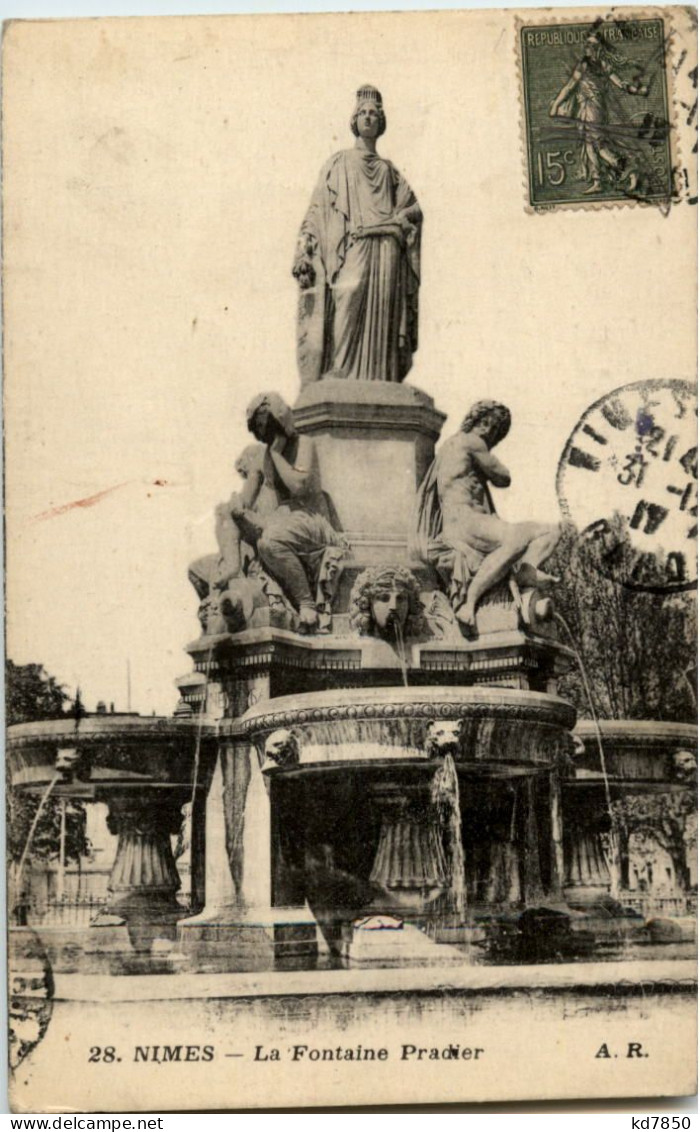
685, 766
66, 758
443, 736
390, 610
281, 747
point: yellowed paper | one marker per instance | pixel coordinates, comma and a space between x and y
156, 175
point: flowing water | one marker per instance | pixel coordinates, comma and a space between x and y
32, 830
445, 796
613, 853
198, 741
401, 651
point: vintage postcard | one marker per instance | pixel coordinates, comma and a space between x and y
351, 512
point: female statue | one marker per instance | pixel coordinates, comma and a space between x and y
358, 262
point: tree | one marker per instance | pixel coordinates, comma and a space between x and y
31, 694
669, 819
637, 647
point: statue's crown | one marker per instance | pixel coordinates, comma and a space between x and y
369, 94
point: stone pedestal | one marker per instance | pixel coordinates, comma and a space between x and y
249, 939
143, 884
144, 871
239, 929
375, 442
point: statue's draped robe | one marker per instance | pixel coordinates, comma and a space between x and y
360, 318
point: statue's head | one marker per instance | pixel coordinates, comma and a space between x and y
267, 416
385, 602
368, 119
685, 766
490, 419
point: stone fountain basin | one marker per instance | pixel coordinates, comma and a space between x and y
109, 750
499, 727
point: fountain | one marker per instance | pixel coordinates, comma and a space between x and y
371, 737
146, 771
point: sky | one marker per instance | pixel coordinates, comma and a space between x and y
156, 174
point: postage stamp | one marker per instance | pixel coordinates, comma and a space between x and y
597, 122
639, 443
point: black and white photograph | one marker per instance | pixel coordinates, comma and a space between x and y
351, 558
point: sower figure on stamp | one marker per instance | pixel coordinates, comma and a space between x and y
585, 98
458, 529
296, 539
358, 262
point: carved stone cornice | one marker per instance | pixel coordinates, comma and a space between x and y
99, 729
637, 753
395, 704
638, 733
258, 651
110, 751
348, 406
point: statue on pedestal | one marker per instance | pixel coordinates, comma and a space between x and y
358, 262
458, 530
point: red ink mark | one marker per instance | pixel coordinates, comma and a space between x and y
89, 501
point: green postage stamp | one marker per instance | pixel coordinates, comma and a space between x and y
596, 112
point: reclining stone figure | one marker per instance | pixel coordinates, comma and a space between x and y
458, 530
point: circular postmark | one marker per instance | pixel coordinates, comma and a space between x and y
627, 479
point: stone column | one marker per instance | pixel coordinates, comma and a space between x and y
247, 815
587, 874
239, 930
219, 883
198, 851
